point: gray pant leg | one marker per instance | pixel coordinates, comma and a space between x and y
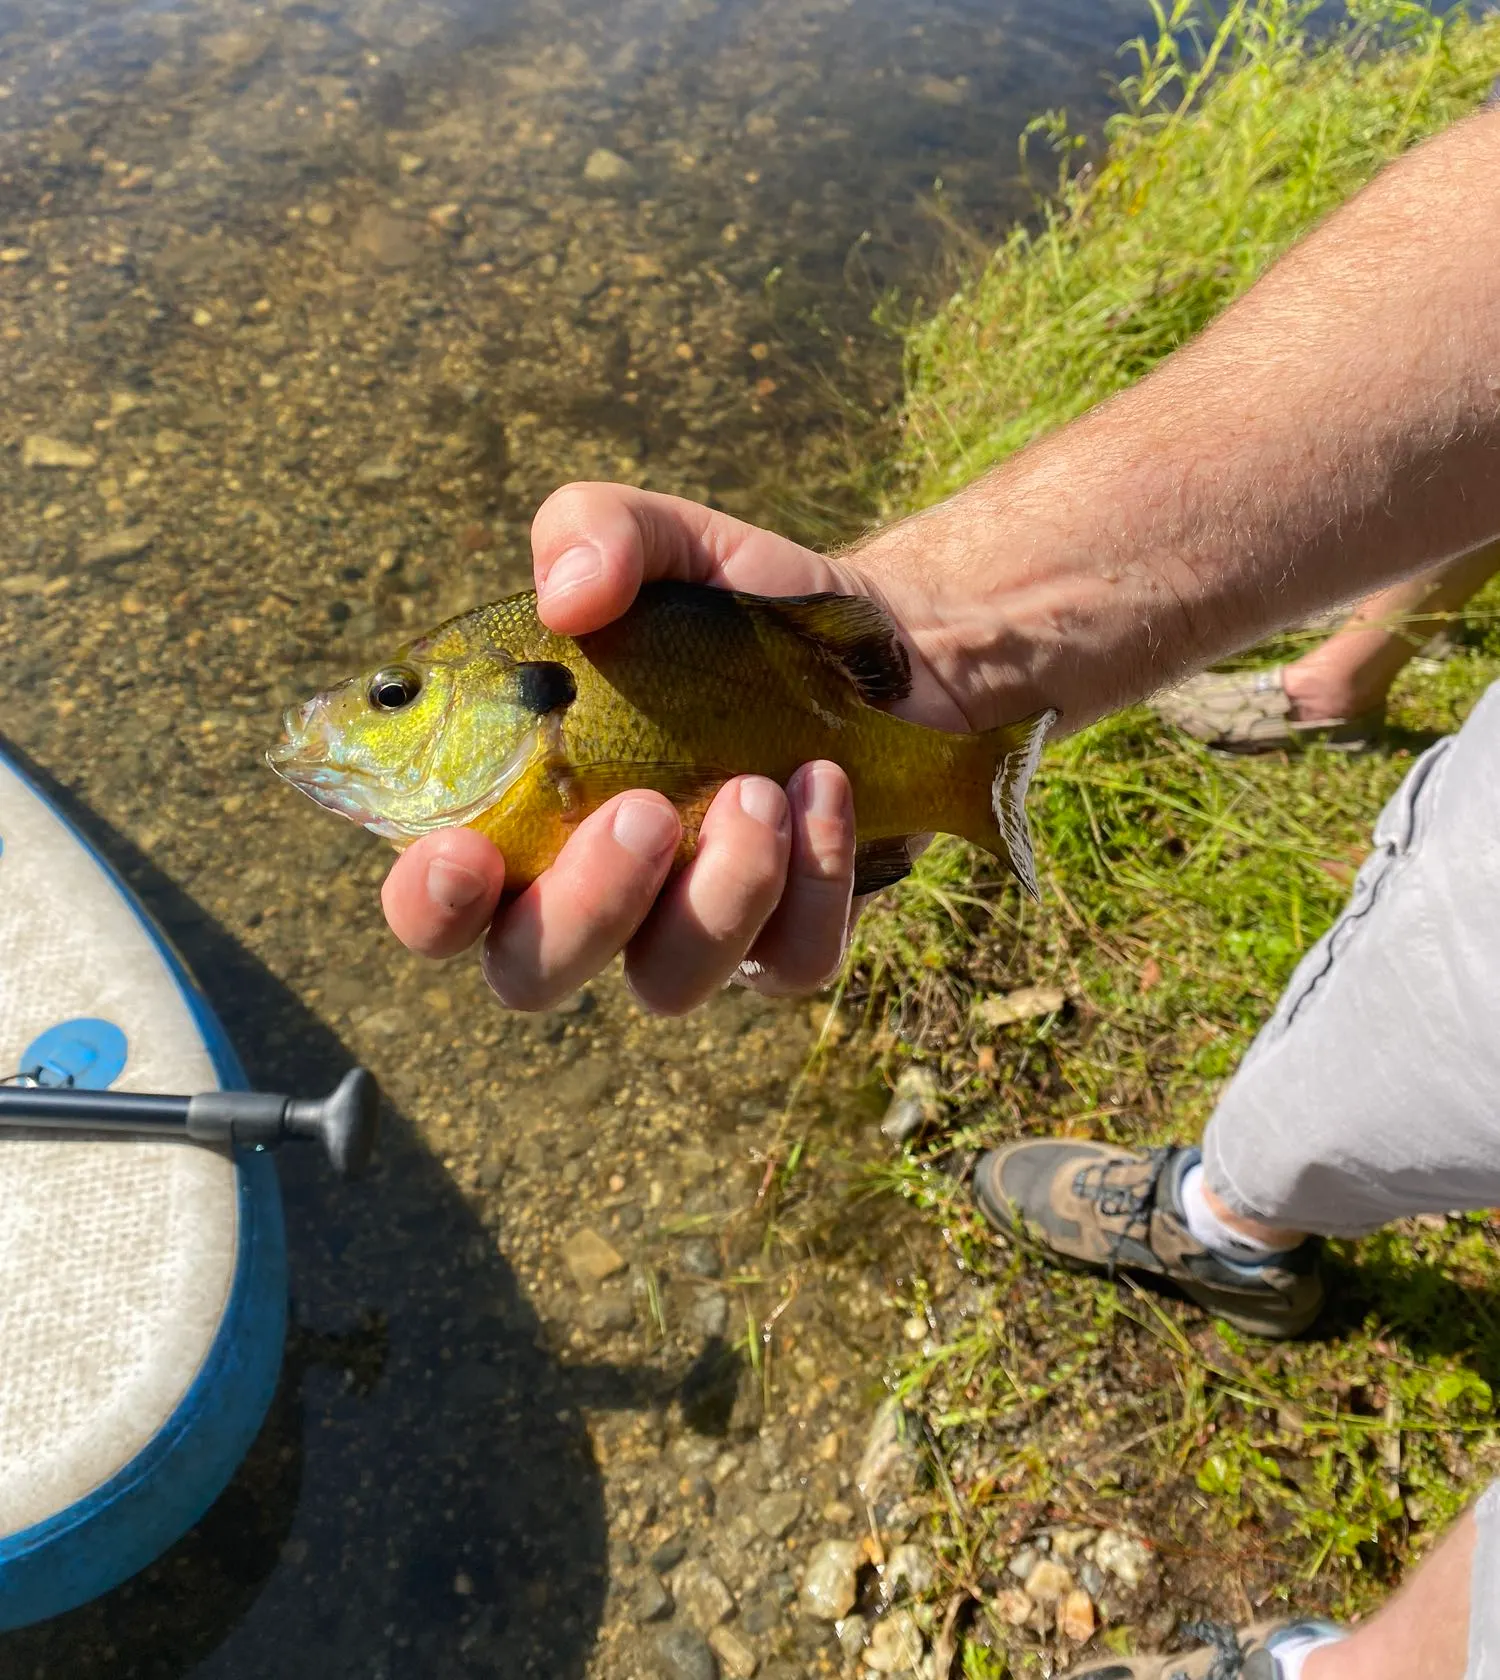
1484, 1592
1374, 1090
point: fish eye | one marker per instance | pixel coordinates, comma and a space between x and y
394, 687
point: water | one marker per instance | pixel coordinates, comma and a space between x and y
329, 298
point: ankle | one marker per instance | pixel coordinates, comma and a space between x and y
1276, 1238
1328, 695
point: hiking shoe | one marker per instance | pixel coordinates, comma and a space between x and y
1249, 1654
1121, 1210
1251, 712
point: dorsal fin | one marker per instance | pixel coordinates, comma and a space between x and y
857, 636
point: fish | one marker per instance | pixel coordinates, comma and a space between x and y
493, 722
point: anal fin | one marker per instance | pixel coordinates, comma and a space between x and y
881, 863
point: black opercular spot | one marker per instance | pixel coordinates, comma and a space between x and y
545, 687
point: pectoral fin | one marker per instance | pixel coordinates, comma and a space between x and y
881, 863
857, 635
690, 787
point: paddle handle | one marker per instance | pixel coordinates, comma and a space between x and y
345, 1122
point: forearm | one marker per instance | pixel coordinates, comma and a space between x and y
1336, 429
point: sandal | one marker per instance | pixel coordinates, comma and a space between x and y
1249, 1654
1251, 712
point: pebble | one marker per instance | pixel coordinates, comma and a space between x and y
828, 1585
914, 1104
1048, 1582
668, 1554
1022, 1564
652, 1601
709, 1314
591, 1259
118, 545
890, 1469
735, 1653
39, 450
1013, 1607
911, 1567
609, 1313
1123, 1556
388, 240
701, 1258
701, 1595
777, 1513
379, 470
1067, 1543
895, 1644
683, 1654
1076, 1620
606, 168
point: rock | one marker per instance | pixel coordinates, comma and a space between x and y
701, 1595
1123, 1556
683, 1654
583, 1083
943, 92
529, 1154
388, 240
895, 1644
911, 1568
890, 1470
118, 545
828, 1584
914, 1104
590, 1259
1026, 1003
1075, 1620
447, 218
700, 1257
735, 1653
668, 1554
651, 1601
709, 1314
377, 471
851, 1632
610, 1312
776, 1514
1067, 1543
607, 169
1022, 1564
39, 450
1012, 1606
1048, 1582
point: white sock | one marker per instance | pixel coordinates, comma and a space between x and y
1212, 1232
1291, 1655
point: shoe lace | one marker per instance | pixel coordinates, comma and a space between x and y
1229, 1654
1132, 1203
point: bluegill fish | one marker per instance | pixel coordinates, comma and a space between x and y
493, 722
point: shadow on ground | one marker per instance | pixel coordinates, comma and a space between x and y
423, 1498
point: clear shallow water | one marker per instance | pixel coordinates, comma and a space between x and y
325, 300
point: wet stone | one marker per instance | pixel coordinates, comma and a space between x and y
737, 1657
1075, 1617
606, 168
895, 1644
40, 450
388, 240
669, 1554
684, 1654
890, 1469
701, 1595
1048, 1582
1011, 1606
591, 1259
700, 1257
651, 1602
914, 1104
910, 1569
709, 1314
1123, 1556
119, 545
777, 1513
609, 1313
828, 1586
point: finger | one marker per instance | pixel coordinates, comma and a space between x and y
442, 891
801, 946
709, 918
579, 913
593, 545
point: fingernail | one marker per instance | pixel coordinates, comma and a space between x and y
572, 570
452, 887
762, 801
645, 829
827, 798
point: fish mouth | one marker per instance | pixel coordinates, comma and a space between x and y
296, 759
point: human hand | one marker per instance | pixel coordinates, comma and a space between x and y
767, 895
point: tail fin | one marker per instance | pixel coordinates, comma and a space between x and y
1015, 749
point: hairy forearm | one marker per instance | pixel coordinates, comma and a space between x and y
1337, 428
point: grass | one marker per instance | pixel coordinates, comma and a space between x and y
1179, 892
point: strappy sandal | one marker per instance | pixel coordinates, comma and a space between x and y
1249, 1654
1251, 712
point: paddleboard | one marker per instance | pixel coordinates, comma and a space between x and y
142, 1281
